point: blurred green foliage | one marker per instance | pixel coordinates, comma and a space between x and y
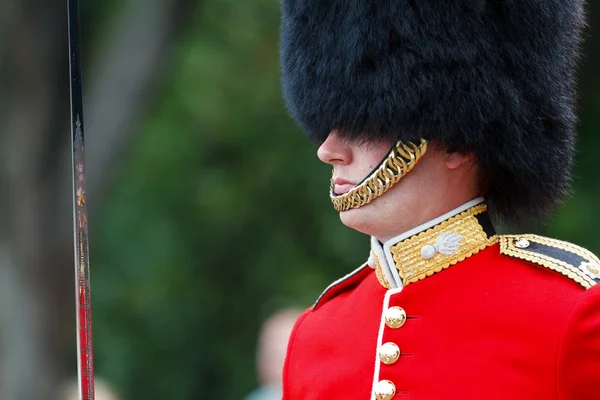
220, 216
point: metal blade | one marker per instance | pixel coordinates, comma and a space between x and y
80, 221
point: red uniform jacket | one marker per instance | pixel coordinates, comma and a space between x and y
501, 317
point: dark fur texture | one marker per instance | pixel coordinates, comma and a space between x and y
494, 78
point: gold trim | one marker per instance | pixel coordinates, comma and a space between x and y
401, 159
559, 244
379, 273
413, 266
572, 272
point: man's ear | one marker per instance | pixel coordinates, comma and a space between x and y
455, 160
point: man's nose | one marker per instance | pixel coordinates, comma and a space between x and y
335, 150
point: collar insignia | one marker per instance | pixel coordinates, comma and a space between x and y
447, 243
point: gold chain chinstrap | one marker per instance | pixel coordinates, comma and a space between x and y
401, 159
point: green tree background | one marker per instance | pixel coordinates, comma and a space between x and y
218, 213
219, 216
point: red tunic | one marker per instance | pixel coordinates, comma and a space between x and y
490, 327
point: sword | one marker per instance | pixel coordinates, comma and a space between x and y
85, 356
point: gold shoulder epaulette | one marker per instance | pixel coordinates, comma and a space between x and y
573, 261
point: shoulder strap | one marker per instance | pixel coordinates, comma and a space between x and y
572, 261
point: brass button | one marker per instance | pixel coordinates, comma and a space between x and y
394, 317
389, 353
385, 390
521, 243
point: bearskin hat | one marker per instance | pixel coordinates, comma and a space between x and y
494, 78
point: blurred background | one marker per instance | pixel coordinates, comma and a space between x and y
208, 208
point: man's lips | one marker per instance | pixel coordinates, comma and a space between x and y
342, 186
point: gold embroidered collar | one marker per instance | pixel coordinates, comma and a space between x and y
434, 246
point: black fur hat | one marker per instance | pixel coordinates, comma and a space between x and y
490, 77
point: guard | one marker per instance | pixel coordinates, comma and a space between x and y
439, 119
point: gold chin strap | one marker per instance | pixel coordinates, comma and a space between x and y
401, 159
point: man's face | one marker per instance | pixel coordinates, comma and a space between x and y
351, 161
439, 183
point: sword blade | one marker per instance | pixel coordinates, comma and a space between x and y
85, 362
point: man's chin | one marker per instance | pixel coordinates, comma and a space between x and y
360, 219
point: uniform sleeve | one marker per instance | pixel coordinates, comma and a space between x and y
578, 363
287, 388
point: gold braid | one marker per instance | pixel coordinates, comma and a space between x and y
401, 159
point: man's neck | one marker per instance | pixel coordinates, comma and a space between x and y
434, 220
